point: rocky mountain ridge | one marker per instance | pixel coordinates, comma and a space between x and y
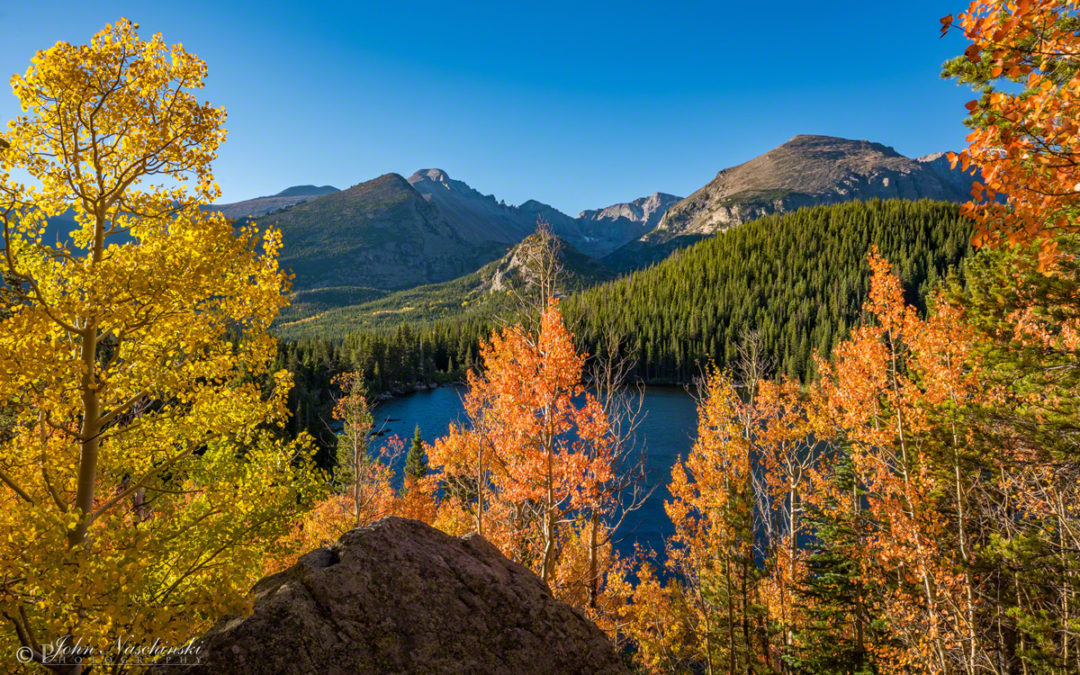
380, 234
809, 170
392, 233
594, 232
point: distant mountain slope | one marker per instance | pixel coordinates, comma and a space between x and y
611, 227
260, 206
806, 171
959, 181
380, 234
487, 292
304, 304
476, 216
393, 233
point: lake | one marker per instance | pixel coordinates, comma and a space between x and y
667, 432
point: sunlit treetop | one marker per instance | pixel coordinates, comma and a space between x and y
114, 129
1023, 58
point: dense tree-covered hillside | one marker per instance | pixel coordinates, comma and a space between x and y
391, 362
799, 279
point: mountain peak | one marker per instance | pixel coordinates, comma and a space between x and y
385, 179
805, 171
434, 175
533, 205
814, 142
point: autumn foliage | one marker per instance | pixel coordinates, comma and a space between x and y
529, 470
1024, 137
141, 479
915, 508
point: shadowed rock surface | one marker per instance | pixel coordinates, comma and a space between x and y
401, 597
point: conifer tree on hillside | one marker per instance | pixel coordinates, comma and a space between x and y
416, 463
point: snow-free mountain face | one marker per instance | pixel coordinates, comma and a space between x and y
476, 217
805, 171
613, 226
391, 232
252, 208
380, 234
492, 290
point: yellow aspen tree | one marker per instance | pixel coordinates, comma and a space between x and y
141, 480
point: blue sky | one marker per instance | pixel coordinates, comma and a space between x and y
575, 104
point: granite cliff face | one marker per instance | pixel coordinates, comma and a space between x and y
401, 597
613, 226
805, 171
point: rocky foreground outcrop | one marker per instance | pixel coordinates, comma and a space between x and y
401, 597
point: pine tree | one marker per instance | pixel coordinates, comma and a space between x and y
416, 463
838, 628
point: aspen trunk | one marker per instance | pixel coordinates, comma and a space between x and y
594, 581
90, 429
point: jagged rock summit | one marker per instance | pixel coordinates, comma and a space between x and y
402, 597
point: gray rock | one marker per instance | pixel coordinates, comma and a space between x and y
401, 597
613, 226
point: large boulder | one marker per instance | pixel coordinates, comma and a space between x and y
402, 597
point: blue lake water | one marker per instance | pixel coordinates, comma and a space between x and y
666, 432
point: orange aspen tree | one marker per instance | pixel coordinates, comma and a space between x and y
784, 447
1024, 309
366, 495
1024, 131
711, 552
873, 397
537, 449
